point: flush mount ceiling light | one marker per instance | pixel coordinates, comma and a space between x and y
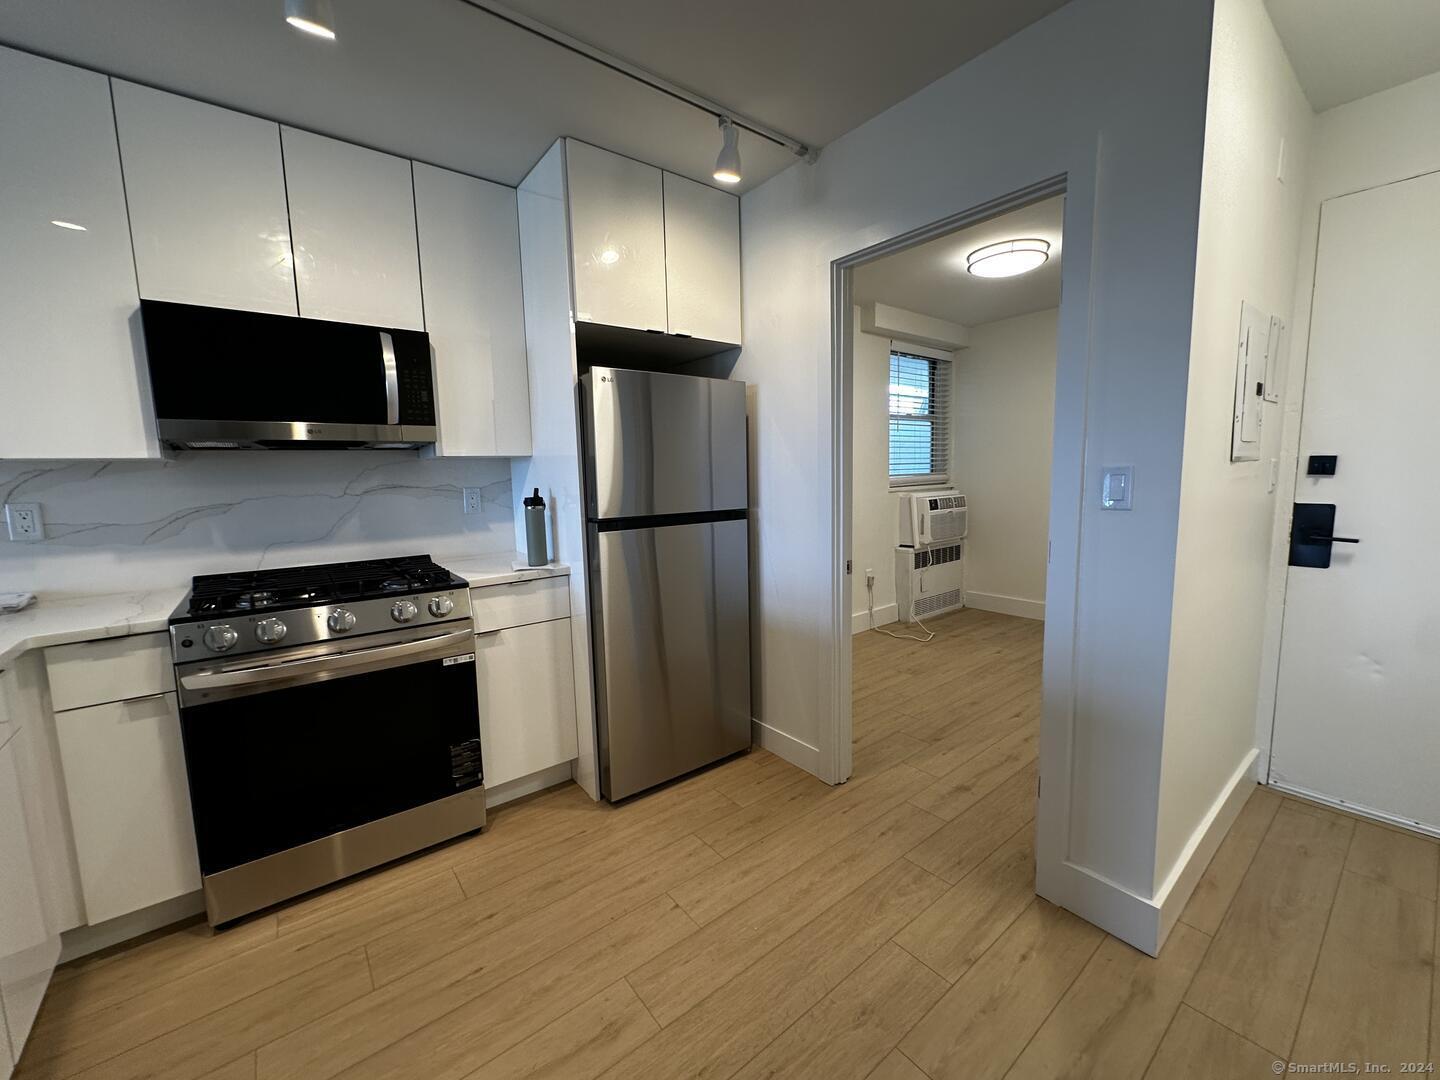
68, 225
1007, 258
312, 16
727, 164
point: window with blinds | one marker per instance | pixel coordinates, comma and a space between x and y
919, 420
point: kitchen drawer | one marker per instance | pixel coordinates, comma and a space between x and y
519, 603
94, 672
129, 804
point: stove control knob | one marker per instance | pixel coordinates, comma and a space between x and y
221, 638
270, 631
341, 620
440, 606
403, 611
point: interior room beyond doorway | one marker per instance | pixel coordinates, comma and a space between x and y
953, 405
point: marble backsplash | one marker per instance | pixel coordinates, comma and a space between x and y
124, 525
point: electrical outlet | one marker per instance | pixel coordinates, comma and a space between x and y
24, 521
869, 576
471, 497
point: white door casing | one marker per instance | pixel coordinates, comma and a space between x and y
1359, 683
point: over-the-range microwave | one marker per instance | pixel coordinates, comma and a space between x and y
225, 379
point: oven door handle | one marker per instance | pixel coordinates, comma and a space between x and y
252, 676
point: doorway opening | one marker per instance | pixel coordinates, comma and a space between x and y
952, 369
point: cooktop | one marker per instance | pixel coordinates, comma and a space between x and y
224, 595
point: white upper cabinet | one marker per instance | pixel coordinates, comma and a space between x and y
352, 224
651, 250
617, 238
702, 260
470, 263
206, 188
72, 370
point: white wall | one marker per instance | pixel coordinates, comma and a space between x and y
1386, 137
873, 520
1249, 236
1112, 93
1004, 402
117, 526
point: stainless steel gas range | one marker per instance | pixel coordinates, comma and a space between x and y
330, 723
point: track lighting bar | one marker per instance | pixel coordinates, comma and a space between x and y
639, 74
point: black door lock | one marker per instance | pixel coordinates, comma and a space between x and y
1312, 534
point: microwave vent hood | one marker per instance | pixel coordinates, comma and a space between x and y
243, 380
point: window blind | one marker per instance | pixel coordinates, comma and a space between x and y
919, 420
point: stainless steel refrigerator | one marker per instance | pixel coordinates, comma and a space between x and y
668, 544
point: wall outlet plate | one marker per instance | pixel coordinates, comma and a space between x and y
24, 521
471, 499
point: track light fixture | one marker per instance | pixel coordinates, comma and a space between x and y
727, 164
312, 16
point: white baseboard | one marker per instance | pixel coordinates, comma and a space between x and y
885, 613
800, 754
1146, 922
521, 786
1175, 892
1006, 605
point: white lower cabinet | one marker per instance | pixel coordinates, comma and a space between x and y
527, 699
129, 804
29, 945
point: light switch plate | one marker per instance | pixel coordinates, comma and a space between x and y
1116, 487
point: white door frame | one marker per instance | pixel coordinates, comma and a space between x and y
1067, 479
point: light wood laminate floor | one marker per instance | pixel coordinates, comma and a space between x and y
751, 922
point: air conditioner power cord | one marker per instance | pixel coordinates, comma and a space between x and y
929, 634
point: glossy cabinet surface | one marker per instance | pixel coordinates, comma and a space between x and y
72, 373
352, 226
527, 699
617, 238
206, 188
29, 945
702, 260
129, 804
469, 238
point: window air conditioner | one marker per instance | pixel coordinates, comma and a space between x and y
932, 517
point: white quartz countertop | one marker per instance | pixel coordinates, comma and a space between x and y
59, 618
500, 569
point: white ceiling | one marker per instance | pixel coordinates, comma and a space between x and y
931, 279
1342, 50
442, 81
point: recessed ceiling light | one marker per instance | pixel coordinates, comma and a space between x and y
68, 225
1007, 258
727, 164
312, 16
609, 256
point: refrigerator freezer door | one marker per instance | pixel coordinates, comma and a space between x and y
663, 444
672, 642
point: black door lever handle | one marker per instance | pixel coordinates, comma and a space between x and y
1334, 539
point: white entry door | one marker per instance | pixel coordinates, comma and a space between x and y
1357, 717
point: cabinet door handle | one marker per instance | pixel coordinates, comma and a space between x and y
147, 697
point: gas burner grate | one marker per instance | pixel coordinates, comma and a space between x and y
327, 583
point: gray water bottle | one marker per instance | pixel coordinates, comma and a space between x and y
535, 530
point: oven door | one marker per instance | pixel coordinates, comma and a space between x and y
286, 750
